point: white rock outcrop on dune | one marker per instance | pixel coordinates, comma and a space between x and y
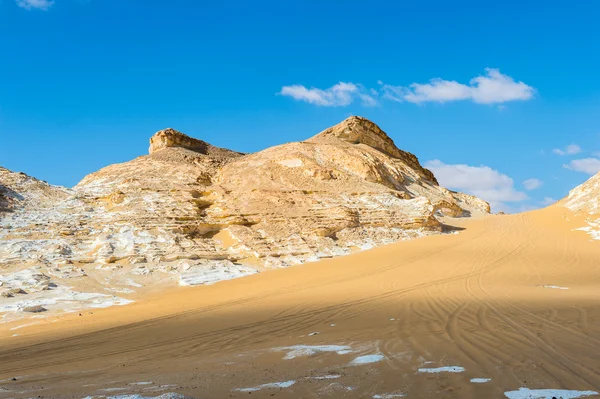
584, 200
193, 213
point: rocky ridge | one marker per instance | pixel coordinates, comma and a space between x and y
191, 213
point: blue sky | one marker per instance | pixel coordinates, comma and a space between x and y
488, 94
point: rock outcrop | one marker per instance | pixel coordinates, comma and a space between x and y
171, 138
585, 198
584, 201
192, 212
18, 190
359, 130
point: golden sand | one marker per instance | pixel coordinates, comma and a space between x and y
513, 299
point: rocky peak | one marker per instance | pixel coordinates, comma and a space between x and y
172, 138
360, 130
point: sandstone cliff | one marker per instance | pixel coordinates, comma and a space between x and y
193, 213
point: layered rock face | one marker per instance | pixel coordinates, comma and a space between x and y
193, 213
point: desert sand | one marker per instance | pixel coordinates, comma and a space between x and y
507, 307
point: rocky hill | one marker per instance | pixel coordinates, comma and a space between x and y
191, 213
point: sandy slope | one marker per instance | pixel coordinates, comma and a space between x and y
473, 300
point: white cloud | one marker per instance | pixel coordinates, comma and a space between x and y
338, 95
532, 184
492, 88
548, 201
591, 166
571, 149
367, 100
481, 181
438, 90
37, 4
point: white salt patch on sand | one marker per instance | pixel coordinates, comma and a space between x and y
142, 383
169, 395
160, 388
326, 377
310, 350
284, 384
389, 396
526, 393
313, 333
366, 246
96, 300
593, 229
480, 380
556, 287
120, 290
446, 369
132, 283
210, 274
367, 359
24, 325
58, 299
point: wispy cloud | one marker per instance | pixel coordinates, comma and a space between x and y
532, 184
338, 95
481, 181
35, 4
548, 201
591, 166
491, 88
571, 149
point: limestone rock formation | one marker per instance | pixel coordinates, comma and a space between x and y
18, 189
190, 212
171, 138
584, 201
585, 198
358, 130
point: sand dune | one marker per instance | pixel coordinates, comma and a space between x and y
472, 315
